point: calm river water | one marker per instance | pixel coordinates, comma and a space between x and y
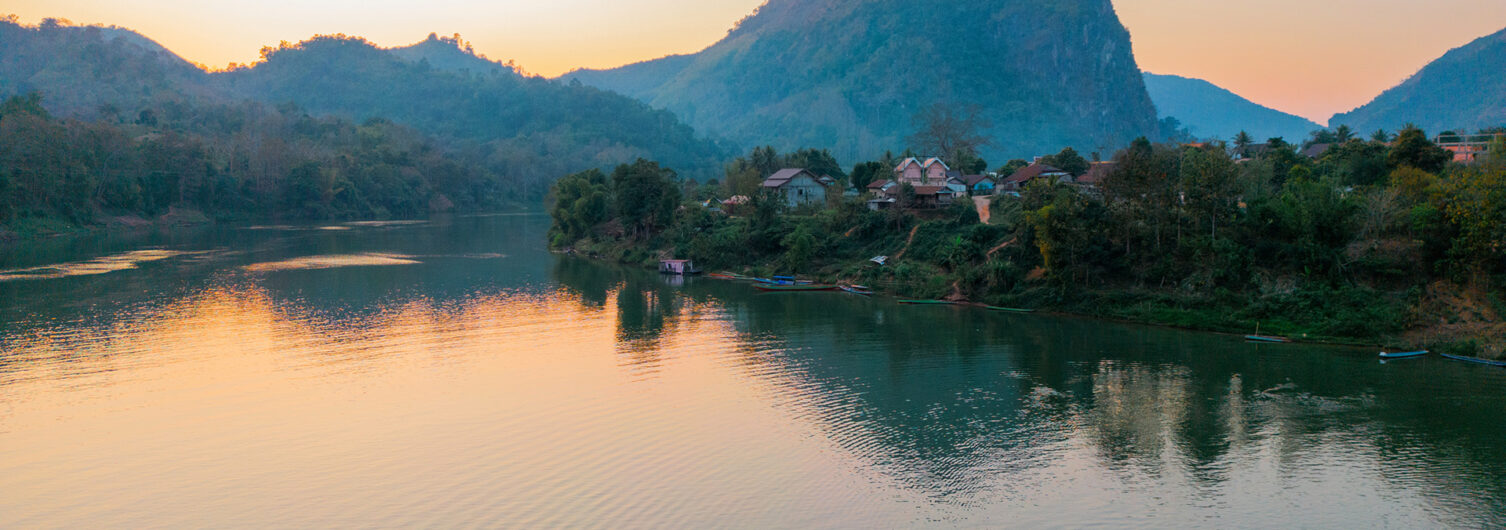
454, 373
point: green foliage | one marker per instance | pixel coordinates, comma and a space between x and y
1012, 166
1067, 160
865, 173
1413, 149
646, 196
230, 161
581, 201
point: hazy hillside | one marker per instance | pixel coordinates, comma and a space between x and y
545, 127
1463, 90
449, 54
1209, 111
532, 128
82, 69
850, 75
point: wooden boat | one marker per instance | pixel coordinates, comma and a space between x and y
778, 288
1264, 338
1403, 355
1009, 309
1475, 360
927, 302
857, 289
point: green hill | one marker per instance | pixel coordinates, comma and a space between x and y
850, 75
1209, 111
1463, 90
532, 128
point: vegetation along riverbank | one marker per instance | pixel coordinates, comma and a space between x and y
1386, 240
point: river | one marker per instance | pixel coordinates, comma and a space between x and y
455, 373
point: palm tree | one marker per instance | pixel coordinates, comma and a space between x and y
1380, 136
1343, 133
1242, 141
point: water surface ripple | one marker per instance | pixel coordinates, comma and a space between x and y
453, 373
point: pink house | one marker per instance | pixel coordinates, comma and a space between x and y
931, 172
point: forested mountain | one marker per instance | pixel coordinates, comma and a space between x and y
1465, 90
86, 71
450, 54
1210, 111
851, 75
527, 129
542, 128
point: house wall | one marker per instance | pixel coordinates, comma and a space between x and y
803, 190
912, 174
936, 174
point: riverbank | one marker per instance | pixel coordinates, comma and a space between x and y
35, 228
1442, 316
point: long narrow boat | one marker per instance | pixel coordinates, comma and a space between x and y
1264, 338
1009, 309
1403, 355
1476, 360
927, 302
856, 289
794, 288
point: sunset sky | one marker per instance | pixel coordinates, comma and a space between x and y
1307, 57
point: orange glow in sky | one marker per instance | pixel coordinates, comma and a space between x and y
1308, 57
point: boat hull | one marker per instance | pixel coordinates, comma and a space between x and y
1010, 309
1403, 355
1475, 360
1262, 338
794, 288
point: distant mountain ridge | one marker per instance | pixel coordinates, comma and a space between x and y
1464, 90
1210, 111
541, 128
850, 75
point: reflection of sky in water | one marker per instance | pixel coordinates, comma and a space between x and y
331, 262
103, 265
467, 390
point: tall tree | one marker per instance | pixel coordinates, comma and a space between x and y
1068, 160
947, 130
1413, 149
1343, 133
1242, 142
647, 196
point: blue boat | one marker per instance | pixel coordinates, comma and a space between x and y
1403, 355
1263, 338
1475, 360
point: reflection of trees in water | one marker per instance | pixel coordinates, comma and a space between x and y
954, 399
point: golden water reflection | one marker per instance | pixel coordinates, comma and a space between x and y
525, 389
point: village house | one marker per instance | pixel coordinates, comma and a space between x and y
1097, 172
799, 187
981, 185
913, 171
1022, 178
